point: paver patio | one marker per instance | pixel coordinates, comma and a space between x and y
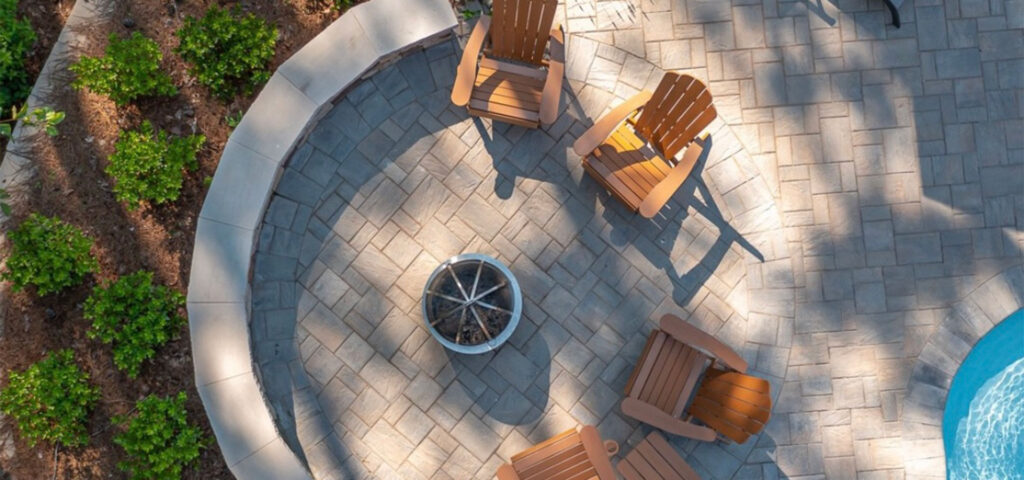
860, 181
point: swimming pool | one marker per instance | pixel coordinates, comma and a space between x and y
983, 425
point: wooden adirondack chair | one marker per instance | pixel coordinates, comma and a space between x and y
728, 402
571, 455
655, 459
511, 84
632, 149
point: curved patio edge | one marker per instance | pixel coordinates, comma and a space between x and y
297, 95
967, 322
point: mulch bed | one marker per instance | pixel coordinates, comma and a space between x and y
71, 184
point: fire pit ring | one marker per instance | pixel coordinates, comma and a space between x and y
472, 303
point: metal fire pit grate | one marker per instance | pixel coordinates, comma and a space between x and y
472, 303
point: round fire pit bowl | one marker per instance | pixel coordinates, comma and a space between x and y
472, 303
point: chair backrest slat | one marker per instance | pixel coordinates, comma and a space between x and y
679, 110
520, 29
701, 114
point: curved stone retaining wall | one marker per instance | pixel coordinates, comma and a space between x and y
967, 322
218, 298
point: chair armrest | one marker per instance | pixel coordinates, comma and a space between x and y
693, 336
651, 415
608, 123
597, 452
506, 472
553, 83
663, 191
465, 75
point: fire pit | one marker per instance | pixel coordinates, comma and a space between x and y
472, 303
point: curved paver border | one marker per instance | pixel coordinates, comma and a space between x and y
297, 95
968, 321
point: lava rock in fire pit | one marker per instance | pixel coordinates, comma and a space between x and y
472, 303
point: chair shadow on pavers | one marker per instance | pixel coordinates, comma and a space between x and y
656, 239
516, 152
818, 8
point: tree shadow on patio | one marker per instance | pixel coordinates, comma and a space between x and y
506, 385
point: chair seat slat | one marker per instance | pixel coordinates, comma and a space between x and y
600, 171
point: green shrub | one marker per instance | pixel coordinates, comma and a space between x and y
229, 53
149, 165
51, 400
159, 440
16, 38
49, 254
136, 316
45, 118
129, 69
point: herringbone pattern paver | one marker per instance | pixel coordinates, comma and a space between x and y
861, 179
389, 203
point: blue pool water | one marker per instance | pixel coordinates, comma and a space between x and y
983, 425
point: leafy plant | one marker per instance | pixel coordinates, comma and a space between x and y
229, 53
233, 119
136, 316
130, 68
159, 439
51, 400
42, 117
49, 254
16, 38
149, 165
4, 206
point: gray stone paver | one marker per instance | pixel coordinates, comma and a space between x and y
379, 231
876, 171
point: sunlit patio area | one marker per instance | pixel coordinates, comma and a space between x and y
853, 221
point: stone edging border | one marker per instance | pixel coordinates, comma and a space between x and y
17, 168
923, 408
300, 92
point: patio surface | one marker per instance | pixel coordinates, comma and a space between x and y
861, 180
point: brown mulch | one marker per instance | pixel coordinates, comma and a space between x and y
71, 184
